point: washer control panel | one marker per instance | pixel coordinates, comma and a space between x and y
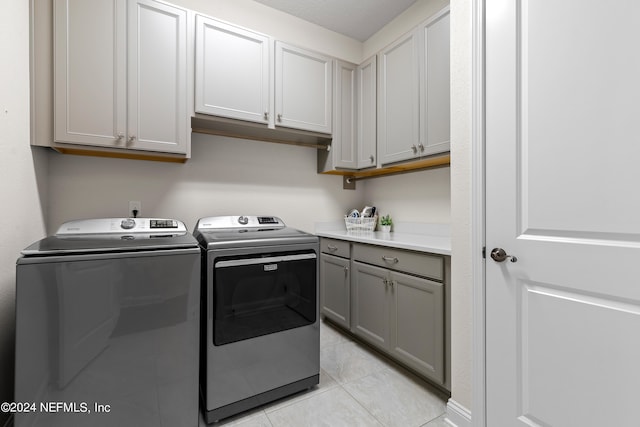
121, 225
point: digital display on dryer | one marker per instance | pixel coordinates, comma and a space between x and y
267, 220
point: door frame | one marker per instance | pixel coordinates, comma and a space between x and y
478, 212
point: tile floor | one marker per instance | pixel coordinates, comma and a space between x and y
358, 387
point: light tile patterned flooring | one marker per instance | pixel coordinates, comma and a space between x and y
358, 387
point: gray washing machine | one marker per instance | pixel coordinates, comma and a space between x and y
107, 325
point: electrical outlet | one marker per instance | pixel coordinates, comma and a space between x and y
135, 205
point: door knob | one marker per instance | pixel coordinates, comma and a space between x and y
499, 255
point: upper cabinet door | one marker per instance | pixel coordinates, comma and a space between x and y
343, 145
157, 77
367, 133
435, 93
399, 100
90, 72
232, 71
303, 89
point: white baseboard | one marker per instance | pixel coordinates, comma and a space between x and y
458, 415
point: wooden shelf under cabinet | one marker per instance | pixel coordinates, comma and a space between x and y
425, 163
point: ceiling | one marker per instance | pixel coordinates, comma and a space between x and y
358, 19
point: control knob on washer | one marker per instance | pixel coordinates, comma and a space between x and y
128, 223
243, 220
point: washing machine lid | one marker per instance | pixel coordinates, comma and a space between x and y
113, 235
247, 231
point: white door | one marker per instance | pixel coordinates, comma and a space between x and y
562, 152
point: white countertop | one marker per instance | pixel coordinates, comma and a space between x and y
422, 237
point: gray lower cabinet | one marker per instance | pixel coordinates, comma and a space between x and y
335, 289
417, 324
393, 299
371, 306
402, 315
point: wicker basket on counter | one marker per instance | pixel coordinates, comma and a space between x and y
360, 224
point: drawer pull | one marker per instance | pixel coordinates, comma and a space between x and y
332, 248
390, 259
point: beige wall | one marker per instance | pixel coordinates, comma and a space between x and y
24, 175
461, 265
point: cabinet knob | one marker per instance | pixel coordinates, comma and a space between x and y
266, 115
421, 147
373, 159
120, 137
414, 148
279, 117
132, 139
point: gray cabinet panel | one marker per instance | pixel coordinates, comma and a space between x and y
370, 304
417, 324
335, 289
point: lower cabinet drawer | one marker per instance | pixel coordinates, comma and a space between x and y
335, 247
431, 266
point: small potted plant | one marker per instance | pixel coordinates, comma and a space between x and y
385, 223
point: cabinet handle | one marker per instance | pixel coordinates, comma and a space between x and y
332, 248
266, 115
372, 158
390, 259
279, 117
385, 281
414, 148
421, 147
392, 283
120, 137
132, 139
346, 270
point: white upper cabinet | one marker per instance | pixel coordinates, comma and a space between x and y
399, 100
413, 103
121, 86
90, 100
343, 146
303, 89
232, 71
157, 79
366, 122
435, 80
